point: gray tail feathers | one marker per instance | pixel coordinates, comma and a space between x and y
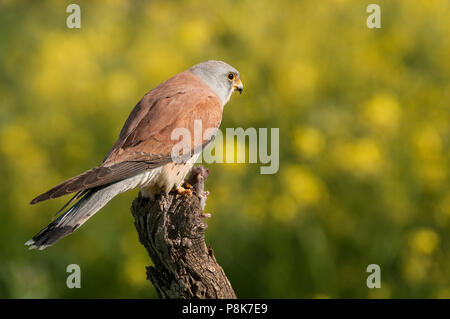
74, 217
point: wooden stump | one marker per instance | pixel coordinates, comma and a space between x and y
172, 229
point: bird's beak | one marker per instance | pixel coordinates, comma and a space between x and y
238, 86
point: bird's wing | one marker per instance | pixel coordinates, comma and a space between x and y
97, 176
152, 137
145, 141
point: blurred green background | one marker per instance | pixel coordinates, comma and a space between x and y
364, 120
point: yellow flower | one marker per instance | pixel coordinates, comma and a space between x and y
303, 185
297, 79
382, 112
360, 158
195, 33
424, 241
415, 268
309, 141
427, 142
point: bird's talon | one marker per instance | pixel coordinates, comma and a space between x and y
183, 191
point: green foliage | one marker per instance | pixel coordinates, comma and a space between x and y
364, 141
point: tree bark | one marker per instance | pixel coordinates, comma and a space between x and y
172, 229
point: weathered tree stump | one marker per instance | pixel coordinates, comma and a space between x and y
172, 229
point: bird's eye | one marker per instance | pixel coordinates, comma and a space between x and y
231, 76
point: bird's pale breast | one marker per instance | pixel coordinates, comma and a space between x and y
167, 177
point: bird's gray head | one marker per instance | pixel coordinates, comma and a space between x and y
221, 77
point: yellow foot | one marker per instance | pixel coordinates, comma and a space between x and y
183, 191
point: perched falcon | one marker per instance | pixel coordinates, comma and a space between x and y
142, 156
